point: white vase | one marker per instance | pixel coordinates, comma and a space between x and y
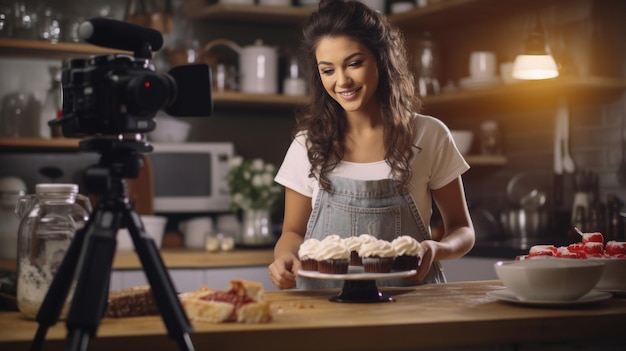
256, 229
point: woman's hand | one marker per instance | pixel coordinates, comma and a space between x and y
283, 271
426, 261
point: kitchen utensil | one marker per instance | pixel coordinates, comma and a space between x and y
49, 220
533, 200
482, 64
558, 162
527, 185
427, 65
621, 169
563, 112
195, 231
549, 279
490, 139
258, 65
11, 188
520, 223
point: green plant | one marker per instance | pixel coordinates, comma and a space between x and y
251, 184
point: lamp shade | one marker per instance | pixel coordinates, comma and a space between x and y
535, 62
530, 67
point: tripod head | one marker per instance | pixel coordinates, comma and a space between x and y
120, 158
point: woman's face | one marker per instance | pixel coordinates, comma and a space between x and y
349, 73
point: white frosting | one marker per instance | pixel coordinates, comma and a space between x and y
367, 238
332, 237
331, 250
407, 245
308, 248
352, 243
378, 248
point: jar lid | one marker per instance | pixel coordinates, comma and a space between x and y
46, 188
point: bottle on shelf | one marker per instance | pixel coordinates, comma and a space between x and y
51, 108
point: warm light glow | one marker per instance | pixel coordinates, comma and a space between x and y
531, 67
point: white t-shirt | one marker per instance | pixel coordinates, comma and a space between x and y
436, 163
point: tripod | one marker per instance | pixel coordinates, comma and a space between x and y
90, 255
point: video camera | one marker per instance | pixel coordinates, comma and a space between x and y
117, 93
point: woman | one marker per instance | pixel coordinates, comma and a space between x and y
361, 157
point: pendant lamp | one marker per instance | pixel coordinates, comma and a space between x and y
535, 62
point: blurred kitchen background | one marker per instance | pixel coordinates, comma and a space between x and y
585, 36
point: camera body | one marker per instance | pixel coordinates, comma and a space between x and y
113, 94
117, 94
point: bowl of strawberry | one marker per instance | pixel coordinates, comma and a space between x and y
592, 247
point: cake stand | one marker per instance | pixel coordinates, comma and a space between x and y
358, 286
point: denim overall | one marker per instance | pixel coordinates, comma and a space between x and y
355, 207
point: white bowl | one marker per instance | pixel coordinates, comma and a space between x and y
155, 227
614, 274
463, 140
550, 279
169, 130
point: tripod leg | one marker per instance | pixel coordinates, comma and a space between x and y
171, 309
54, 301
92, 276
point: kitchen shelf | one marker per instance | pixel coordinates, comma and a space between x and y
200, 10
72, 144
275, 101
436, 15
586, 89
39, 143
486, 160
443, 14
46, 49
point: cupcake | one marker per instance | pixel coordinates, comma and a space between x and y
377, 256
307, 252
353, 244
332, 257
408, 251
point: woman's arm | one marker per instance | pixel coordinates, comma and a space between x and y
286, 264
458, 238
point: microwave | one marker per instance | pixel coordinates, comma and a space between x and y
191, 177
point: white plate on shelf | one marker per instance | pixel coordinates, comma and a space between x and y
357, 273
614, 292
470, 83
509, 296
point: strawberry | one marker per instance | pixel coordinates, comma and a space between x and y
593, 237
614, 248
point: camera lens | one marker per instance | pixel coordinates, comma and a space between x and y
148, 93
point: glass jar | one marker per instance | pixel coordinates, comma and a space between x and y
490, 140
49, 220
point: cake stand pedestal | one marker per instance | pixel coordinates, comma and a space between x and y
358, 286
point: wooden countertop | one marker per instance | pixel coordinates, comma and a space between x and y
188, 259
424, 317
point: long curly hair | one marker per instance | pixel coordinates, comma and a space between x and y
324, 120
